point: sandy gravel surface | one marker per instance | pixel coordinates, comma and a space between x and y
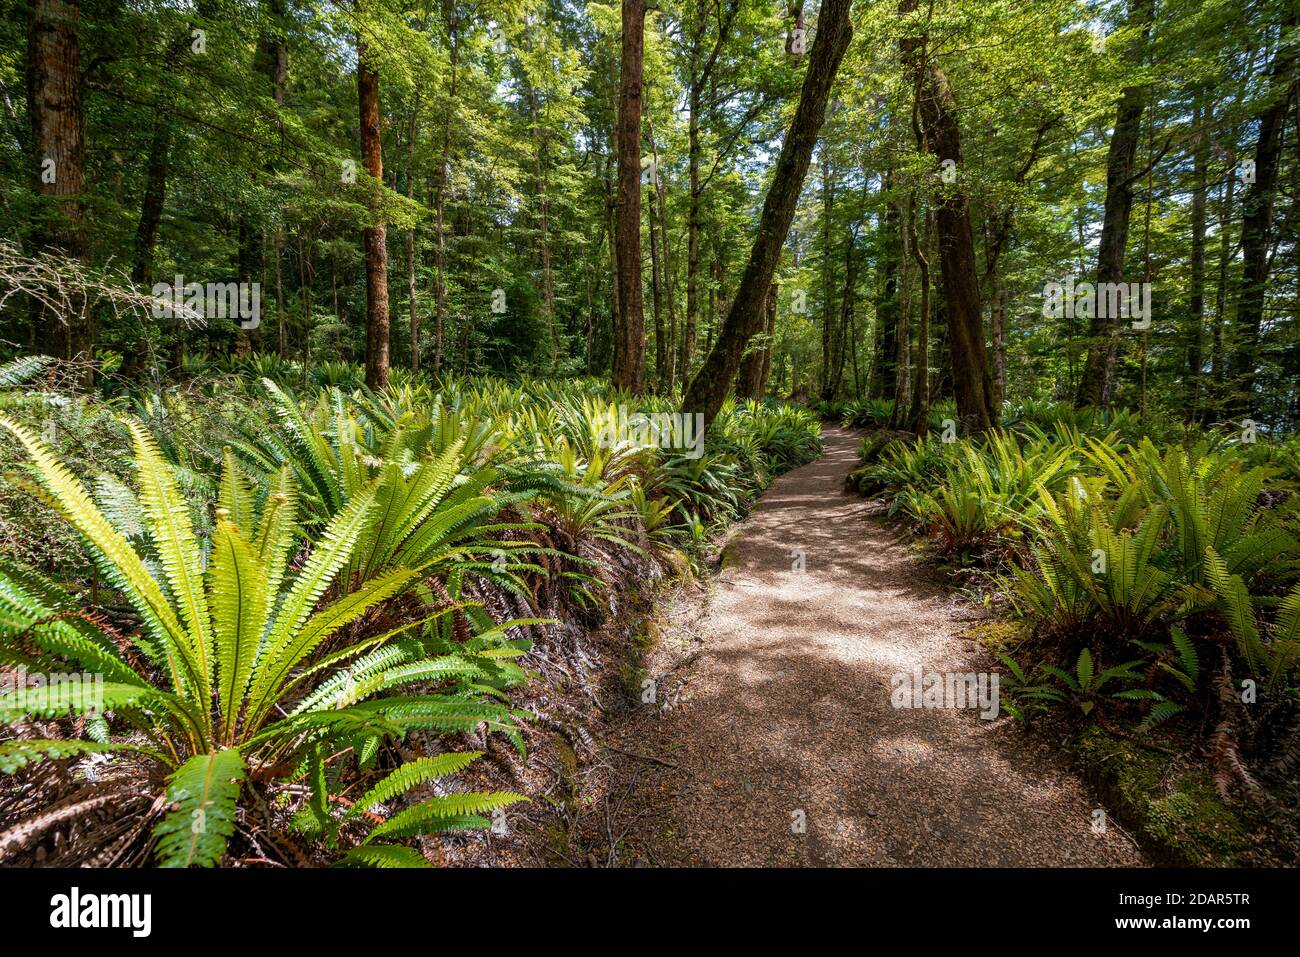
787, 711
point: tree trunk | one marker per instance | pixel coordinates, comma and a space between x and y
692, 236
749, 378
57, 123
1196, 319
903, 333
281, 319
709, 388
629, 333
440, 196
611, 223
847, 306
669, 377
998, 333
920, 414
411, 305
544, 233
146, 231
887, 309
375, 237
1257, 222
151, 209
661, 346
773, 293
828, 288
1098, 381
700, 76
937, 111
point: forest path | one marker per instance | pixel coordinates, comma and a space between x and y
787, 709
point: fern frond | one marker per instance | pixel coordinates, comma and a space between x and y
205, 790
285, 650
16, 755
383, 855
433, 813
240, 606
173, 537
1235, 602
412, 774
116, 559
235, 494
76, 697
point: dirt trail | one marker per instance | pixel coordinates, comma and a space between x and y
788, 710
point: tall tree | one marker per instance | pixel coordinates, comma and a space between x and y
374, 237
629, 332
708, 390
1196, 295
1098, 380
1257, 216
937, 115
58, 159
903, 333
442, 176
920, 414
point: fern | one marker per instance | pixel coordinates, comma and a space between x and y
444, 813
383, 855
414, 773
22, 370
16, 755
1237, 608
204, 791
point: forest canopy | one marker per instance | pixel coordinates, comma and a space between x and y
972, 158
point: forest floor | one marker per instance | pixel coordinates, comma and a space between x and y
772, 707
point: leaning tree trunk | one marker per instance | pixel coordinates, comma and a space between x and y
937, 110
375, 237
1103, 350
54, 109
629, 331
1257, 223
708, 390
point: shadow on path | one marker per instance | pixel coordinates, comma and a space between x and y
788, 711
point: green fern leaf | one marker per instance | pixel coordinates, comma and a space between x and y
205, 790
432, 814
383, 855
413, 774
15, 755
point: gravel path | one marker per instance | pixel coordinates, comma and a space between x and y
786, 716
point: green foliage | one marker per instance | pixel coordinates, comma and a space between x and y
203, 792
231, 639
1101, 543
